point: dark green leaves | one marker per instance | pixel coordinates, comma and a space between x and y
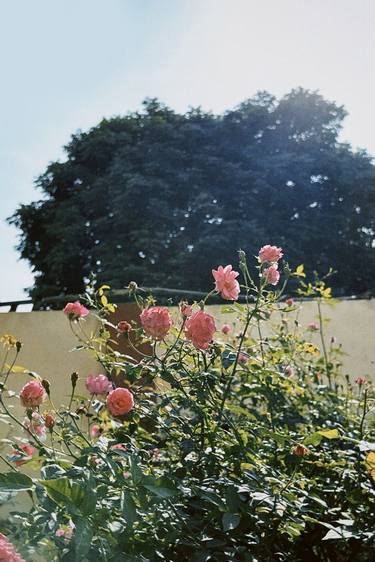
230, 521
15, 482
64, 492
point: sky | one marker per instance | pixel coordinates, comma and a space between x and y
67, 64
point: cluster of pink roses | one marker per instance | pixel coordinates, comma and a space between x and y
199, 327
7, 551
32, 395
269, 256
119, 400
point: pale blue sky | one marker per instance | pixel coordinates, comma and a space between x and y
65, 64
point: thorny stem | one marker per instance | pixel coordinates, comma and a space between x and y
325, 354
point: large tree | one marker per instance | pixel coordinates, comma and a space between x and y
160, 197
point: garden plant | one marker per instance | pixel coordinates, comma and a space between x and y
241, 441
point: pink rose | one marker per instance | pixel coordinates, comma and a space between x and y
19, 458
271, 275
226, 283
156, 321
75, 310
270, 254
225, 328
290, 371
289, 302
313, 327
32, 394
119, 447
95, 430
243, 358
124, 327
98, 384
200, 328
7, 551
35, 426
186, 310
120, 401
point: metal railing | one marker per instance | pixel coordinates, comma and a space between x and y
171, 296
166, 296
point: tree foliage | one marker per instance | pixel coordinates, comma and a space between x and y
161, 197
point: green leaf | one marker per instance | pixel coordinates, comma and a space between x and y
65, 493
313, 439
129, 510
230, 521
15, 482
329, 433
161, 487
82, 539
232, 499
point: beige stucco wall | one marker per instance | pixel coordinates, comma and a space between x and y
351, 322
48, 342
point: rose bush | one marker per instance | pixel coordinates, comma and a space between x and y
220, 444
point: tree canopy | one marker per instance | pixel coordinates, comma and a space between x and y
160, 197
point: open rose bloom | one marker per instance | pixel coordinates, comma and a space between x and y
226, 282
98, 384
270, 254
32, 394
200, 329
120, 401
7, 551
156, 321
271, 275
75, 310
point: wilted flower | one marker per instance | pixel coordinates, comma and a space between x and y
271, 275
32, 394
200, 329
124, 327
75, 310
98, 384
156, 321
9, 341
120, 401
270, 254
300, 451
360, 381
226, 283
